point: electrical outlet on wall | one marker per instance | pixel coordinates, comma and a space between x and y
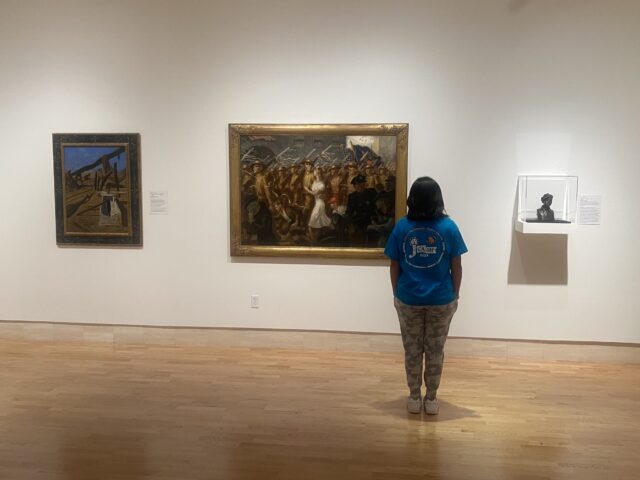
255, 301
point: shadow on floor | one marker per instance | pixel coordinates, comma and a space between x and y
103, 450
448, 411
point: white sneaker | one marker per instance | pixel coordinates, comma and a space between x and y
414, 405
431, 407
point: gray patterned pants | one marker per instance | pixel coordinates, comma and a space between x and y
424, 332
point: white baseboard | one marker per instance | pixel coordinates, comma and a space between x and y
499, 349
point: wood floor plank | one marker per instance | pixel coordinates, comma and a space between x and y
106, 411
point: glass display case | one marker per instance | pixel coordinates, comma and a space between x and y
546, 204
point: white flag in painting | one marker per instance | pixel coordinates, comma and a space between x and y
365, 141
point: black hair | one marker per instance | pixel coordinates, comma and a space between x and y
425, 200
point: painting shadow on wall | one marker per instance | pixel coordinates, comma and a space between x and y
352, 262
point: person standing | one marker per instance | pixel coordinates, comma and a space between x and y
425, 250
360, 209
308, 177
318, 218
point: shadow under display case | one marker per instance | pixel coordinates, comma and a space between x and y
546, 204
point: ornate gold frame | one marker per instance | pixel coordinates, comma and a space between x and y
399, 130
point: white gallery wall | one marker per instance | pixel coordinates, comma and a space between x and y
490, 88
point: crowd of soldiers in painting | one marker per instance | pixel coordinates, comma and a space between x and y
346, 199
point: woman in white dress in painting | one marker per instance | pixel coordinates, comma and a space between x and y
318, 218
110, 213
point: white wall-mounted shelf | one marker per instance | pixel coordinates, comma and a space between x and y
544, 228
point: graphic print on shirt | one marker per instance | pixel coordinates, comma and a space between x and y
423, 247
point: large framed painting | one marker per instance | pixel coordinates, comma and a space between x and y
316, 190
97, 189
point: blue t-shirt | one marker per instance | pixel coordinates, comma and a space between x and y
424, 249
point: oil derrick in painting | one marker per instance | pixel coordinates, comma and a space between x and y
75, 179
96, 189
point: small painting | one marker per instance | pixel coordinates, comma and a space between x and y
316, 190
97, 186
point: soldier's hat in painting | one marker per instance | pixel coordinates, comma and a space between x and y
284, 200
357, 179
257, 162
253, 207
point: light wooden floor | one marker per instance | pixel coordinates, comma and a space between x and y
77, 411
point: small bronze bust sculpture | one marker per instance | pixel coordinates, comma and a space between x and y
545, 214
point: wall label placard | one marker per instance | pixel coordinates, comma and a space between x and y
159, 202
589, 209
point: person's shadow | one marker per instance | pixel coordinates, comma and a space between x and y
104, 449
448, 411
